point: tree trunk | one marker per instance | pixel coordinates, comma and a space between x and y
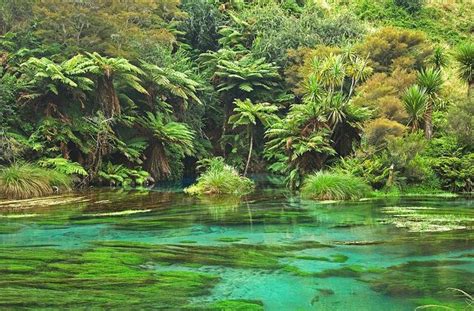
250, 153
108, 98
157, 163
470, 91
428, 121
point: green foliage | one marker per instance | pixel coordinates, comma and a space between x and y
202, 24
278, 30
371, 168
9, 86
378, 131
247, 113
456, 174
246, 75
167, 80
411, 6
465, 59
325, 123
162, 84
169, 132
390, 48
25, 180
220, 178
119, 175
460, 119
435, 18
334, 186
63, 166
415, 102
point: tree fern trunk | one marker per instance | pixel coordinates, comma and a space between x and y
250, 154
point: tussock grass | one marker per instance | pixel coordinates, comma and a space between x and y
220, 178
334, 186
25, 180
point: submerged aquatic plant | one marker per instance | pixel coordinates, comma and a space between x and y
220, 178
25, 180
334, 186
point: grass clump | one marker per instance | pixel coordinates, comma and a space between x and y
334, 186
25, 180
220, 178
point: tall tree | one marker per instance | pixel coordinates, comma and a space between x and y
430, 79
166, 136
110, 71
415, 102
247, 114
465, 58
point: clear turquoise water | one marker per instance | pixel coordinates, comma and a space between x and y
262, 248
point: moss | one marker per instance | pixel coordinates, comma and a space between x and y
339, 258
230, 239
430, 219
413, 279
326, 291
351, 271
237, 305
95, 278
9, 228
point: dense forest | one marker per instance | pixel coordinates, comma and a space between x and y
339, 98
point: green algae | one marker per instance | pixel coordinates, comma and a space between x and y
326, 291
96, 278
230, 255
351, 271
430, 219
236, 305
6, 228
414, 280
339, 258
230, 239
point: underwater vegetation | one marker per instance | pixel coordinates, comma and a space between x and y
334, 186
413, 280
429, 219
96, 278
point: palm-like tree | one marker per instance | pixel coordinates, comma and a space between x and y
54, 88
438, 59
247, 114
465, 58
246, 75
109, 72
415, 102
53, 84
326, 123
165, 135
167, 82
431, 81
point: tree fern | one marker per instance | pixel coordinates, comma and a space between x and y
63, 166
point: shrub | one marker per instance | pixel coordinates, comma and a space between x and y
377, 131
119, 175
411, 6
461, 123
220, 178
391, 48
456, 174
25, 180
334, 186
371, 168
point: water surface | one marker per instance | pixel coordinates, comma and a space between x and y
270, 250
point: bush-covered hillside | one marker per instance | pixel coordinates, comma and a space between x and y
131, 93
